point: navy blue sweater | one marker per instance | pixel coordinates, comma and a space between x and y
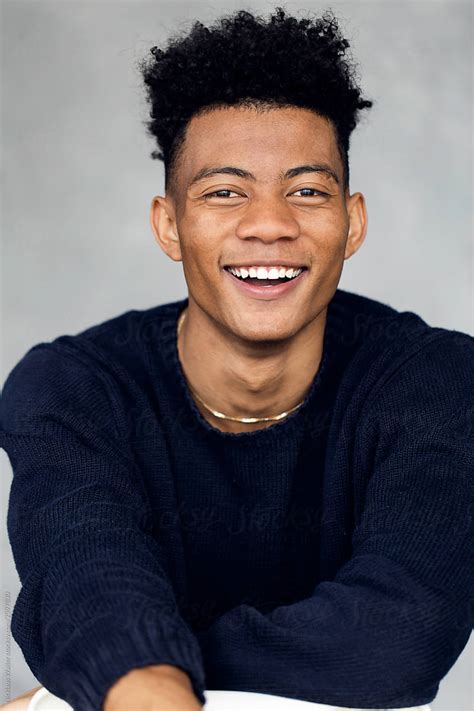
327, 558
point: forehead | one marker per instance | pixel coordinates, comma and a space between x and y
264, 142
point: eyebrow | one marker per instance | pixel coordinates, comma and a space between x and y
290, 173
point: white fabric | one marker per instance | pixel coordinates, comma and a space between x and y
44, 700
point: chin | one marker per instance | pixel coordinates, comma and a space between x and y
267, 335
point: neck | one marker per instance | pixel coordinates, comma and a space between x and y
243, 378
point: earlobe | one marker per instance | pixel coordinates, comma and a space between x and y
357, 224
163, 224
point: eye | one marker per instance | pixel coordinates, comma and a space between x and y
226, 193
218, 193
311, 190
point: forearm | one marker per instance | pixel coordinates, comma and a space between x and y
162, 686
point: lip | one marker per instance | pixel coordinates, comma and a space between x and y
266, 293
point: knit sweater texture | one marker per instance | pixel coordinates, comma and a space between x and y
328, 557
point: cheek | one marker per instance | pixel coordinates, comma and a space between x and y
202, 241
199, 229
327, 230
199, 249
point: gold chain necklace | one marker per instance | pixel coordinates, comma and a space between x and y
216, 413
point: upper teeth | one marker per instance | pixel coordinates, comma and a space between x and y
264, 273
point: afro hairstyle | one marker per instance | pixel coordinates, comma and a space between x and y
243, 60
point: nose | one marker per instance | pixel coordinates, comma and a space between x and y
268, 219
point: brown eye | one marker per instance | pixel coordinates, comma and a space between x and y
312, 190
217, 193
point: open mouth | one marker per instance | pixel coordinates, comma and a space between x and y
283, 277
268, 284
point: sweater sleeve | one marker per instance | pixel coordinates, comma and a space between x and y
95, 600
398, 613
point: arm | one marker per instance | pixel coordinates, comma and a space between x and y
399, 612
95, 600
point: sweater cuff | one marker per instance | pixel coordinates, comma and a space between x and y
82, 671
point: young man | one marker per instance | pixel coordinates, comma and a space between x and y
265, 486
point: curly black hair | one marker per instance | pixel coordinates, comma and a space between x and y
244, 60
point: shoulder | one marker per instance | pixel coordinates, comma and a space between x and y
433, 377
78, 376
425, 393
397, 354
127, 331
53, 386
363, 320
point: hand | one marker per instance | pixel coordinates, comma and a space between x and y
160, 687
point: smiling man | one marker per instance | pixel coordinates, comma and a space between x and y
265, 486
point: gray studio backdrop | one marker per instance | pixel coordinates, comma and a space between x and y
78, 181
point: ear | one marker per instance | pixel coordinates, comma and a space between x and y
357, 212
163, 224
